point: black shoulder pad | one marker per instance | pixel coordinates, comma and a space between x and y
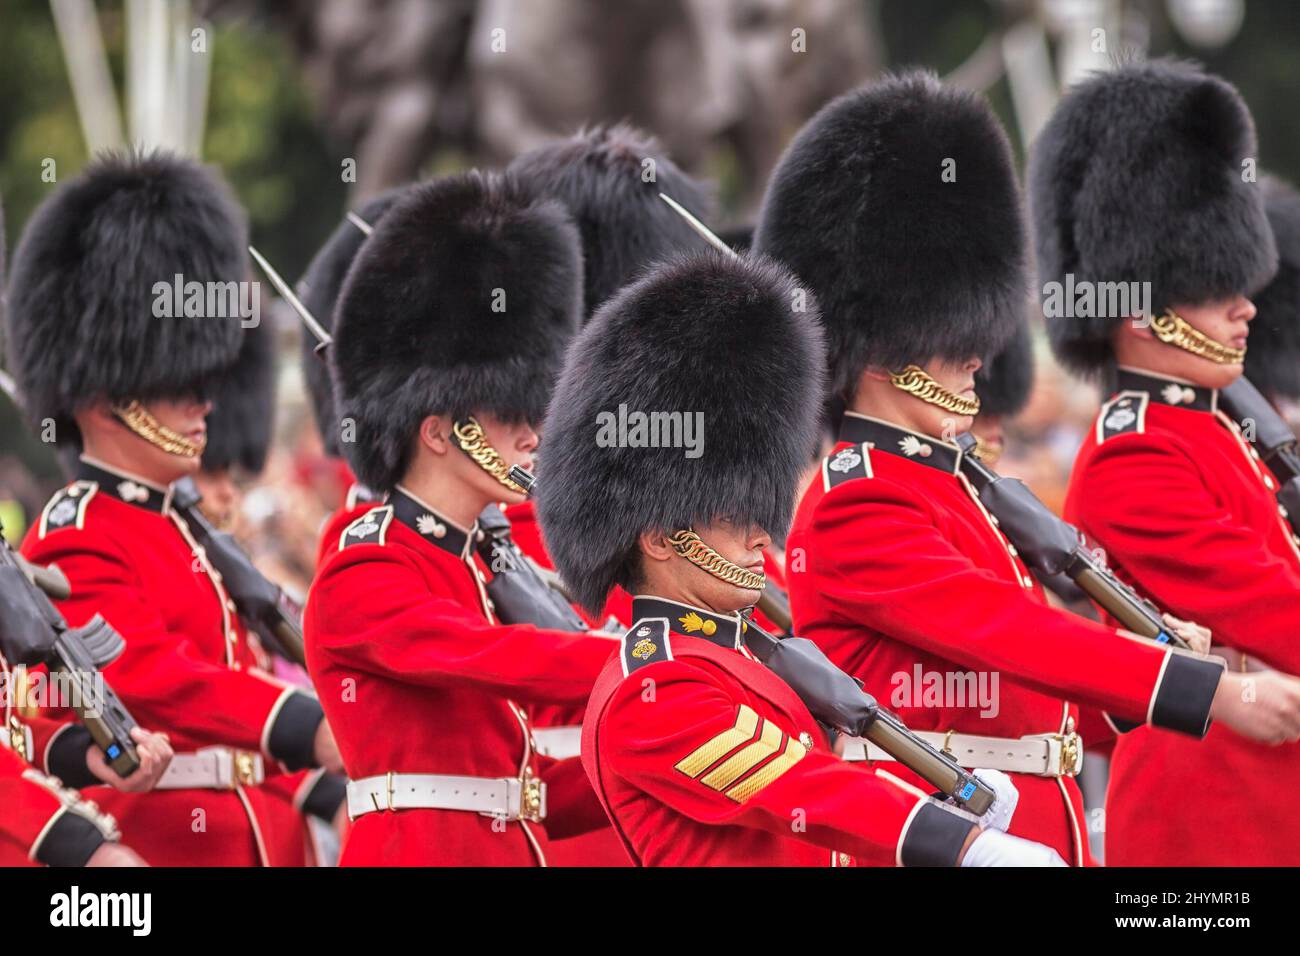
845, 465
67, 509
646, 643
1125, 413
370, 528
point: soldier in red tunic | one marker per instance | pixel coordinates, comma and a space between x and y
908, 583
448, 333
700, 754
239, 431
1138, 178
103, 358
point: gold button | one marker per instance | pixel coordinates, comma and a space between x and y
805, 738
844, 859
1281, 511
1029, 582
1011, 549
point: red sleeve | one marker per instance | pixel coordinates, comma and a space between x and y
665, 747
28, 807
161, 677
1143, 500
881, 561
572, 806
373, 611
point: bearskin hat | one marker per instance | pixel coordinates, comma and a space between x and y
599, 175
897, 204
1138, 177
319, 290
242, 419
462, 300
95, 262
1003, 383
694, 336
1273, 350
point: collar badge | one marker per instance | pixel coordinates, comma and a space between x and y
131, 491
428, 524
913, 446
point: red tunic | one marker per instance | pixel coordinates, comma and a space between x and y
31, 822
417, 677
896, 571
601, 846
1187, 513
704, 757
188, 668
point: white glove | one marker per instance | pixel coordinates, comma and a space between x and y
995, 848
1007, 797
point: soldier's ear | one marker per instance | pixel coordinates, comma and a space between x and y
435, 434
654, 545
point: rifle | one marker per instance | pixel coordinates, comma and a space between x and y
518, 591
1243, 402
838, 700
264, 608
32, 631
1049, 546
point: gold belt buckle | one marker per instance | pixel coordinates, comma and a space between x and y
530, 798
17, 737
245, 766
1071, 748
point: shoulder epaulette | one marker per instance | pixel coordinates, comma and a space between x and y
1124, 414
646, 643
846, 465
67, 509
370, 528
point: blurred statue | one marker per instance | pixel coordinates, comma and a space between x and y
397, 81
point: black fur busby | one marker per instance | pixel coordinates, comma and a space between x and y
1273, 349
242, 419
319, 290
462, 300
1137, 178
897, 205
710, 339
600, 175
1004, 382
96, 264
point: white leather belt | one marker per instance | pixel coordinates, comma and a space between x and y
558, 742
1042, 755
213, 768
508, 797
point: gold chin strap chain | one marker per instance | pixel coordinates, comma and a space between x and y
689, 545
916, 381
1172, 329
139, 419
469, 436
988, 451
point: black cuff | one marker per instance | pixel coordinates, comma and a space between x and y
70, 842
1185, 694
935, 837
325, 796
1121, 725
293, 735
66, 758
